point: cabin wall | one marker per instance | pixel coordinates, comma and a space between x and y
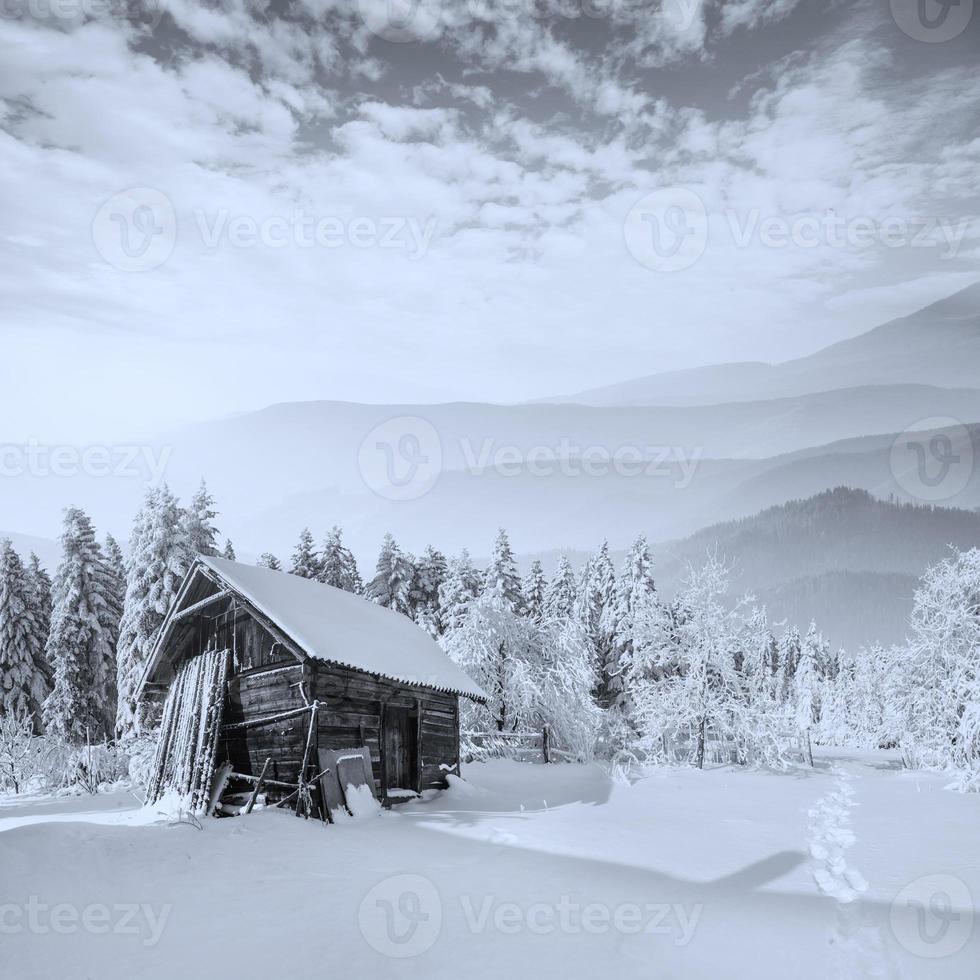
263, 694
353, 712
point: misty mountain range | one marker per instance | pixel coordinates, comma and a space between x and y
938, 345
709, 446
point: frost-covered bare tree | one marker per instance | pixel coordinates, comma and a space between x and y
939, 688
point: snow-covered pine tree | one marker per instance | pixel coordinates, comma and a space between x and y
501, 576
268, 560
198, 523
228, 551
561, 593
306, 562
337, 565
159, 557
461, 586
393, 577
24, 676
596, 608
533, 589
636, 591
81, 644
40, 592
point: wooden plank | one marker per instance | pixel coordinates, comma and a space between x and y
258, 785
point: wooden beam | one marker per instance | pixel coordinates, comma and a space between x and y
270, 720
203, 604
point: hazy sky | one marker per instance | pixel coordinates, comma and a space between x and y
206, 209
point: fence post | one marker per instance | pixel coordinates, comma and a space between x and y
545, 738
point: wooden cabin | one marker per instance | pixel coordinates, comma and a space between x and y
259, 671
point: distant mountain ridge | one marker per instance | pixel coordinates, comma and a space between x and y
937, 345
843, 557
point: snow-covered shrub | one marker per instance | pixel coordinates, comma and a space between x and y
17, 750
91, 768
140, 753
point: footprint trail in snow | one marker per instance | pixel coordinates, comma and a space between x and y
857, 941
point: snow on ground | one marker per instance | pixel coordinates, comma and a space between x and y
855, 869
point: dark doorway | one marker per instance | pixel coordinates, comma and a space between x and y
400, 748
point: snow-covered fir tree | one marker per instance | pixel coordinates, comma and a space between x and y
788, 651
268, 560
532, 591
805, 688
24, 677
40, 593
501, 575
228, 551
337, 565
159, 557
561, 593
202, 537
431, 570
116, 565
81, 645
634, 592
596, 609
760, 658
306, 562
393, 576
461, 586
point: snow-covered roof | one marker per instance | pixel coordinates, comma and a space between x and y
341, 628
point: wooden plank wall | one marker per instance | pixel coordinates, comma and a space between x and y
352, 716
261, 695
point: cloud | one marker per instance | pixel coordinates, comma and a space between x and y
465, 199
